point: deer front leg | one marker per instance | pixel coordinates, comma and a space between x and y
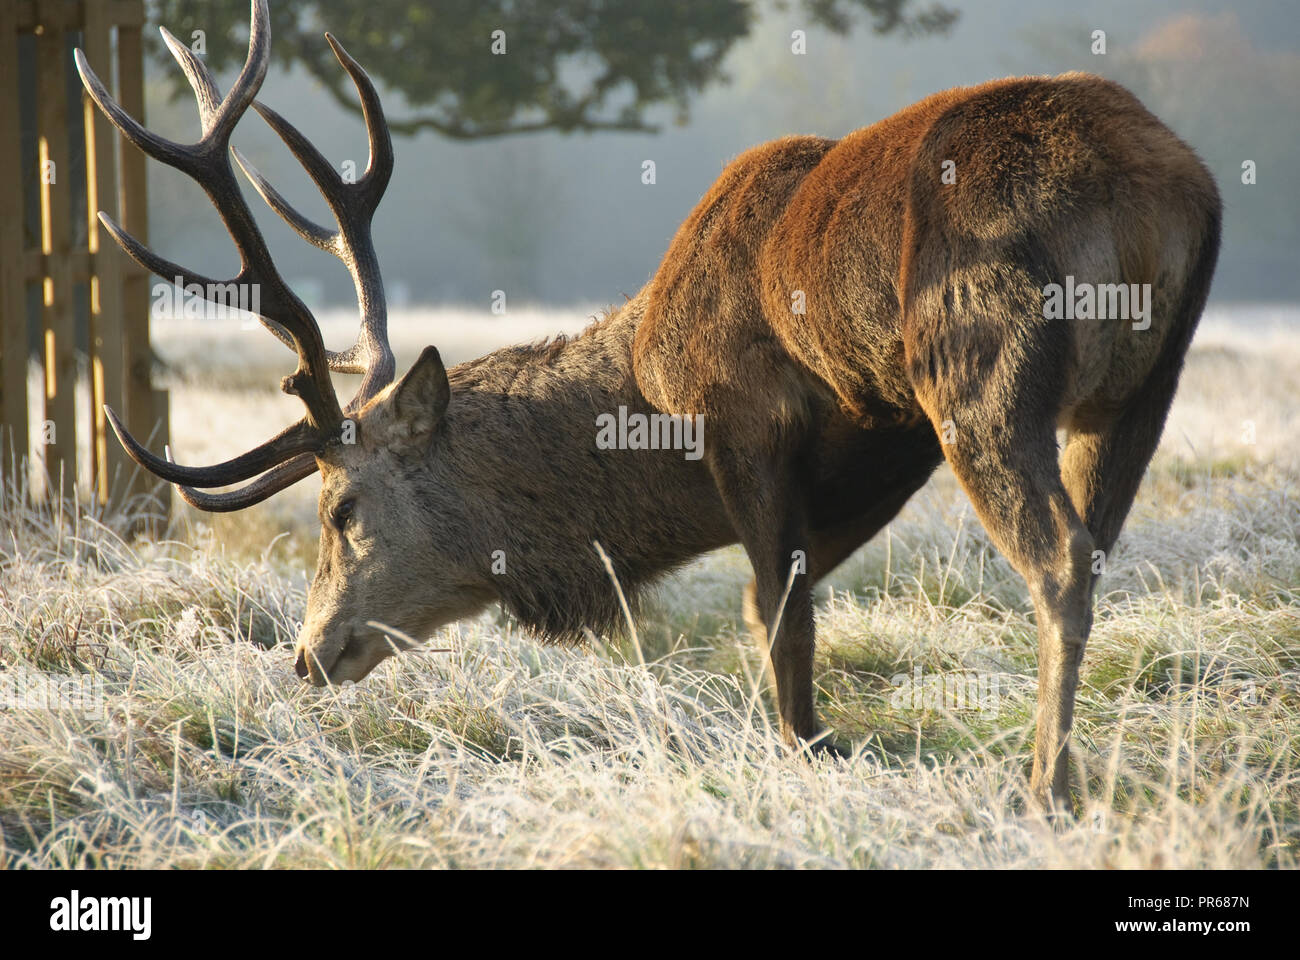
789, 668
763, 502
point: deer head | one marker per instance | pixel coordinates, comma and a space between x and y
386, 548
365, 451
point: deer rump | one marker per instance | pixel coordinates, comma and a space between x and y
849, 271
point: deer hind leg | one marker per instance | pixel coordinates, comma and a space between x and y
1013, 481
1108, 450
991, 386
1104, 461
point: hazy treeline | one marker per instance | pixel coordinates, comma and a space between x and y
568, 218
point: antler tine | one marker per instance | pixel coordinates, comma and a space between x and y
244, 90
361, 197
365, 265
353, 206
379, 169
151, 261
293, 440
160, 148
305, 227
201, 82
268, 484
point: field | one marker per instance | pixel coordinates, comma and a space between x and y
195, 746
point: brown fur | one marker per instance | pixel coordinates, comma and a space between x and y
924, 305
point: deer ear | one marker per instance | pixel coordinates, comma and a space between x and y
416, 403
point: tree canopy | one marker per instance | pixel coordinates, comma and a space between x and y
565, 65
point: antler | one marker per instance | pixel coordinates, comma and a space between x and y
290, 455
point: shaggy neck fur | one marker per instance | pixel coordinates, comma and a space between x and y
519, 443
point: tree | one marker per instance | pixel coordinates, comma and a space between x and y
565, 65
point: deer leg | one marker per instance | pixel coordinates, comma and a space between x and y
1107, 455
762, 497
1103, 464
832, 545
828, 549
995, 405
1104, 461
1014, 483
1102, 468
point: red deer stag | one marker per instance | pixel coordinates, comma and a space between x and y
843, 314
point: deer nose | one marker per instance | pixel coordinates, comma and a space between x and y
300, 665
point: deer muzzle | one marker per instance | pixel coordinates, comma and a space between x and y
331, 656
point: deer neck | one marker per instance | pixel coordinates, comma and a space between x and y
522, 445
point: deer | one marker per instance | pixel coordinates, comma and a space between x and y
843, 314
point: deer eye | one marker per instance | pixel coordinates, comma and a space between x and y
343, 513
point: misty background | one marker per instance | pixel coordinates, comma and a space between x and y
559, 219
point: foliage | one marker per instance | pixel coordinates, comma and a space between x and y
568, 65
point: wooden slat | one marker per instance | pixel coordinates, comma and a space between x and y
108, 358
81, 266
126, 13
14, 344
59, 317
134, 200
24, 14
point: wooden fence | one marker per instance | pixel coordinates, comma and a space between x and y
73, 308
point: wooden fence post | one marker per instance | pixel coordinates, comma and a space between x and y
59, 320
146, 408
114, 344
15, 349
112, 467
